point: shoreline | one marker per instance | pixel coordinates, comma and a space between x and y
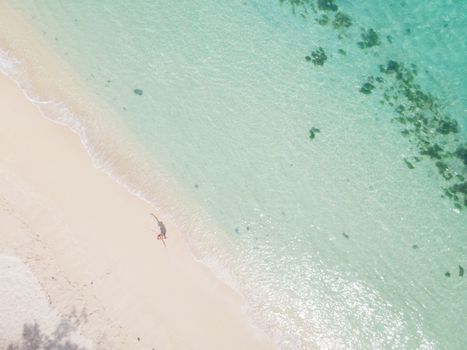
73, 226
44, 79
62, 97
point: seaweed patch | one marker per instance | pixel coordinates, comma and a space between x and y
367, 88
369, 39
422, 117
427, 125
318, 57
313, 132
327, 5
301, 7
461, 153
409, 164
341, 20
323, 20
458, 194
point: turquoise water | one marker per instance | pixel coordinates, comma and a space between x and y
328, 144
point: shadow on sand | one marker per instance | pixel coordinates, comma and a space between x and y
33, 338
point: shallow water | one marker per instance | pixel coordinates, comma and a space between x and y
328, 194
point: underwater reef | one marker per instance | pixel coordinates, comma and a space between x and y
420, 115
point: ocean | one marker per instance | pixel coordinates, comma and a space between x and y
323, 144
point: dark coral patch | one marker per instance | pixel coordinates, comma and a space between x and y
323, 20
367, 88
369, 39
426, 123
327, 5
409, 164
461, 153
391, 67
318, 57
432, 151
443, 170
458, 193
341, 20
313, 132
447, 126
421, 115
138, 92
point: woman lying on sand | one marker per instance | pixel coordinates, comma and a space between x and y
163, 231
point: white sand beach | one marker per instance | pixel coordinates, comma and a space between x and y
92, 246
